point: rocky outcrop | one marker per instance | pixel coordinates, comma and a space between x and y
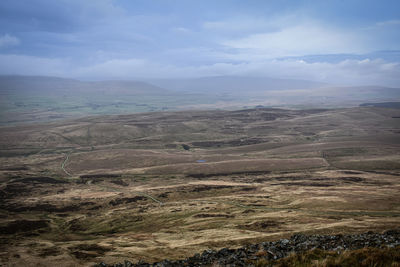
247, 255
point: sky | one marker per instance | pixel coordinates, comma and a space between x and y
349, 42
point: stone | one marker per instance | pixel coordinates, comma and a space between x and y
276, 250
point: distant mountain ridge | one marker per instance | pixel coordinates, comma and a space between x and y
235, 84
38, 98
44, 84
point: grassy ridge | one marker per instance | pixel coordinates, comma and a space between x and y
365, 257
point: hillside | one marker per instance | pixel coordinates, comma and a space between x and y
165, 185
35, 98
38, 85
367, 249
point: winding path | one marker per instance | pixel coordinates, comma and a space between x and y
138, 193
154, 199
65, 162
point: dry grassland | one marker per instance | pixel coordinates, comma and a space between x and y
168, 185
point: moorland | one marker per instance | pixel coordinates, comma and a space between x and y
169, 184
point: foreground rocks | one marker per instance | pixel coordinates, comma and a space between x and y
248, 255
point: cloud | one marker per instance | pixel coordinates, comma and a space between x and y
181, 30
8, 40
111, 39
388, 23
301, 39
30, 65
56, 16
346, 72
239, 25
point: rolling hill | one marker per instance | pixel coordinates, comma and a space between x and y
34, 98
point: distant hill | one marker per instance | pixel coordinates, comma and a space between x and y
41, 84
234, 84
354, 95
36, 98
282, 93
382, 105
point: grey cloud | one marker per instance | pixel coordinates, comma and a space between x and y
54, 16
105, 39
347, 72
8, 40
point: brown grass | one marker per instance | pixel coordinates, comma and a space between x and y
310, 173
366, 257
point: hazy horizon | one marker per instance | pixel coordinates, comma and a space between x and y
340, 43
